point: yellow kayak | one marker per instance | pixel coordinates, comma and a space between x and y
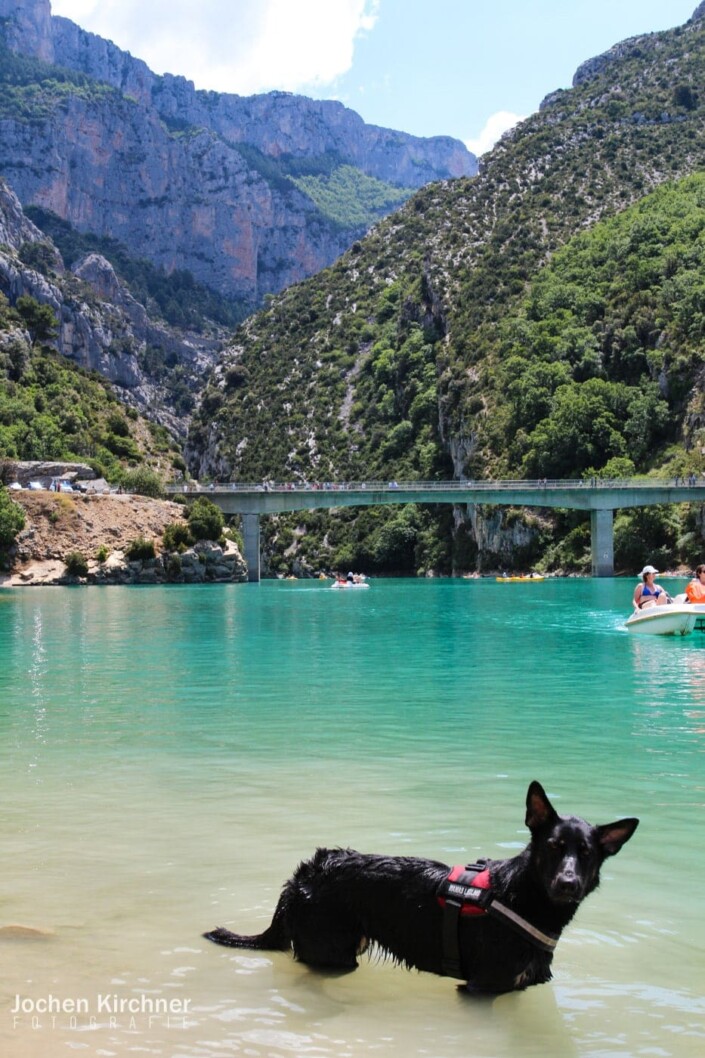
516, 580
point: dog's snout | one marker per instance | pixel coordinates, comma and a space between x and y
566, 883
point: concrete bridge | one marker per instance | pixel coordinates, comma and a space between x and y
600, 497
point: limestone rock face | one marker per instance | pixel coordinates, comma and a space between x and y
193, 179
25, 471
29, 28
593, 67
15, 227
101, 327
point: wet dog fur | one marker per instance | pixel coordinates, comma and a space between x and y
340, 902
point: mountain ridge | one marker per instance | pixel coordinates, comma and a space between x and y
198, 180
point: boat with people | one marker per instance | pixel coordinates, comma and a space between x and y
656, 613
353, 580
673, 619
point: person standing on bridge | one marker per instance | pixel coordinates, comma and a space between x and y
648, 593
696, 589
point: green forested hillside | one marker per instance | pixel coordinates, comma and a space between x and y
604, 357
455, 339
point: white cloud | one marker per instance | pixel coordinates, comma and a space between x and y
242, 46
495, 126
74, 9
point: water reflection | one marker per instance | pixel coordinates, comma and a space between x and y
670, 676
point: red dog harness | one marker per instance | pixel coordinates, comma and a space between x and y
468, 891
468, 885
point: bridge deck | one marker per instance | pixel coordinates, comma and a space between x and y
274, 498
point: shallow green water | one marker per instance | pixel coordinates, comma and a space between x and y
168, 755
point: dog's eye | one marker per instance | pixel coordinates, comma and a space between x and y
556, 843
584, 849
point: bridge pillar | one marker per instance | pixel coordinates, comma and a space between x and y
602, 541
250, 536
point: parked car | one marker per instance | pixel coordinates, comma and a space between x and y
15, 486
35, 486
65, 486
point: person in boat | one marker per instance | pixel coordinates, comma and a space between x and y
647, 592
695, 590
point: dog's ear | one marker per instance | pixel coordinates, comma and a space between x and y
539, 809
613, 835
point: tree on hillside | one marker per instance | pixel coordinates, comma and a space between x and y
39, 319
11, 519
205, 520
143, 481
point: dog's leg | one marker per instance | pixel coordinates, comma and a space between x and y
318, 939
332, 948
324, 933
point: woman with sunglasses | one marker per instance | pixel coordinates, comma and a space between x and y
648, 592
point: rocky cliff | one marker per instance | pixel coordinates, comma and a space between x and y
197, 180
101, 327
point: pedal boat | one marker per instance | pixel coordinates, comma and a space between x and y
697, 607
674, 619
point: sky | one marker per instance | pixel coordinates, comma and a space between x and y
463, 68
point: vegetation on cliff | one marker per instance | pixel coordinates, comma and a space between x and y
31, 89
350, 198
12, 520
346, 197
52, 410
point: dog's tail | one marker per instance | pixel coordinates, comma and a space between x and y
275, 937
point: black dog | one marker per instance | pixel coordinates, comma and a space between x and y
494, 925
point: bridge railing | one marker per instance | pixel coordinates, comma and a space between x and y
539, 484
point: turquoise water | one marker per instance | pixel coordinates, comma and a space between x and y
168, 755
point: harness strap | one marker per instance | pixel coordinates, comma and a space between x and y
451, 965
546, 941
466, 891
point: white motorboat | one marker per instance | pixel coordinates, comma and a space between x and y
349, 584
674, 619
697, 607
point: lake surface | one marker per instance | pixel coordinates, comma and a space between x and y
168, 755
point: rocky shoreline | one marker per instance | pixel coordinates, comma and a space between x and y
101, 529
